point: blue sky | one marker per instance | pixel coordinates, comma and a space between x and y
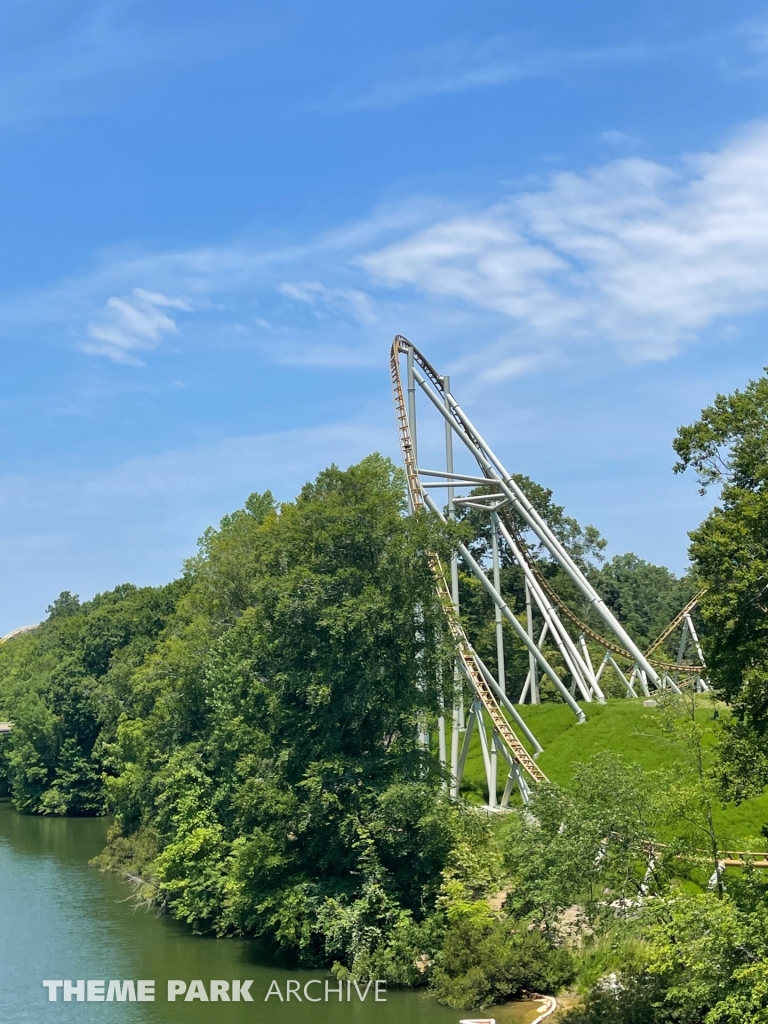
216, 216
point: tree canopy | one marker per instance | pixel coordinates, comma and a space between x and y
728, 448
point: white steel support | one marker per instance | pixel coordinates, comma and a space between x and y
620, 674
480, 725
412, 403
689, 630
527, 688
515, 777
533, 678
568, 650
441, 751
638, 675
511, 619
497, 610
667, 681
695, 638
471, 718
494, 470
509, 786
683, 641
457, 704
492, 781
586, 658
601, 669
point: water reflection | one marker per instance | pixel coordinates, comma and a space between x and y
61, 919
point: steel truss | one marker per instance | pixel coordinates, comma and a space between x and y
503, 504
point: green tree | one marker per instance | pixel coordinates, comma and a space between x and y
644, 597
728, 448
64, 687
691, 787
484, 960
589, 845
271, 748
712, 958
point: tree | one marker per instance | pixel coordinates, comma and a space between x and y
591, 844
711, 956
65, 685
728, 447
691, 788
272, 744
484, 960
644, 597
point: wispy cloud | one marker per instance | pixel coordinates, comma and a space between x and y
463, 63
619, 139
635, 253
51, 55
131, 325
732, 51
750, 58
634, 256
315, 294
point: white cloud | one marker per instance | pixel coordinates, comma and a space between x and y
460, 64
749, 59
619, 139
350, 300
132, 324
451, 67
514, 366
635, 253
51, 54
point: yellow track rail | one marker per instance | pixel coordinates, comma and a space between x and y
685, 668
402, 345
466, 653
677, 621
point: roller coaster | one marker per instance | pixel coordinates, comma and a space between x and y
517, 529
549, 620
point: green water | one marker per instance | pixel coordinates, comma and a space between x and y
61, 919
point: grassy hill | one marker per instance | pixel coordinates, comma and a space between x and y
628, 728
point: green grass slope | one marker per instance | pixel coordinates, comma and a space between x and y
628, 728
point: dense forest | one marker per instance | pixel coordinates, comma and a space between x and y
252, 728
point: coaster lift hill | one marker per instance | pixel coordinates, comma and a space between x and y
488, 692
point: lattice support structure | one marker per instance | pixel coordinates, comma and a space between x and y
506, 504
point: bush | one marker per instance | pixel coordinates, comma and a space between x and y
620, 999
484, 961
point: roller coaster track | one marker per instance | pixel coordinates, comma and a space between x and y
17, 632
677, 621
466, 654
565, 609
402, 345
